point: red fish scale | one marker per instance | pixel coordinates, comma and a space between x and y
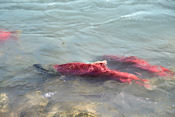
4, 35
101, 70
141, 64
96, 69
81, 69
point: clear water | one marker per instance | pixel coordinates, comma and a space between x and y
61, 31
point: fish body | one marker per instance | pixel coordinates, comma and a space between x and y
100, 69
4, 35
140, 64
96, 70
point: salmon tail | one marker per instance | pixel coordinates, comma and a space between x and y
167, 71
144, 82
16, 34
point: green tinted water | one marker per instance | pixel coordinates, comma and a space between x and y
61, 31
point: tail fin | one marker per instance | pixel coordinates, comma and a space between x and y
146, 83
16, 34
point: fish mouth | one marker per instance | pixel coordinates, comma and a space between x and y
46, 69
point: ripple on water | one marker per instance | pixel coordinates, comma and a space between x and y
61, 31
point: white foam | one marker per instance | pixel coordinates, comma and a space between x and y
49, 94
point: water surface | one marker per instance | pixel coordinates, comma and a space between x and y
61, 31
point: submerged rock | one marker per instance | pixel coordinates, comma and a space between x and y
35, 105
85, 115
4, 103
72, 110
39, 105
36, 98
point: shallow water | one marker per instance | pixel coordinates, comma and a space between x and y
61, 31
